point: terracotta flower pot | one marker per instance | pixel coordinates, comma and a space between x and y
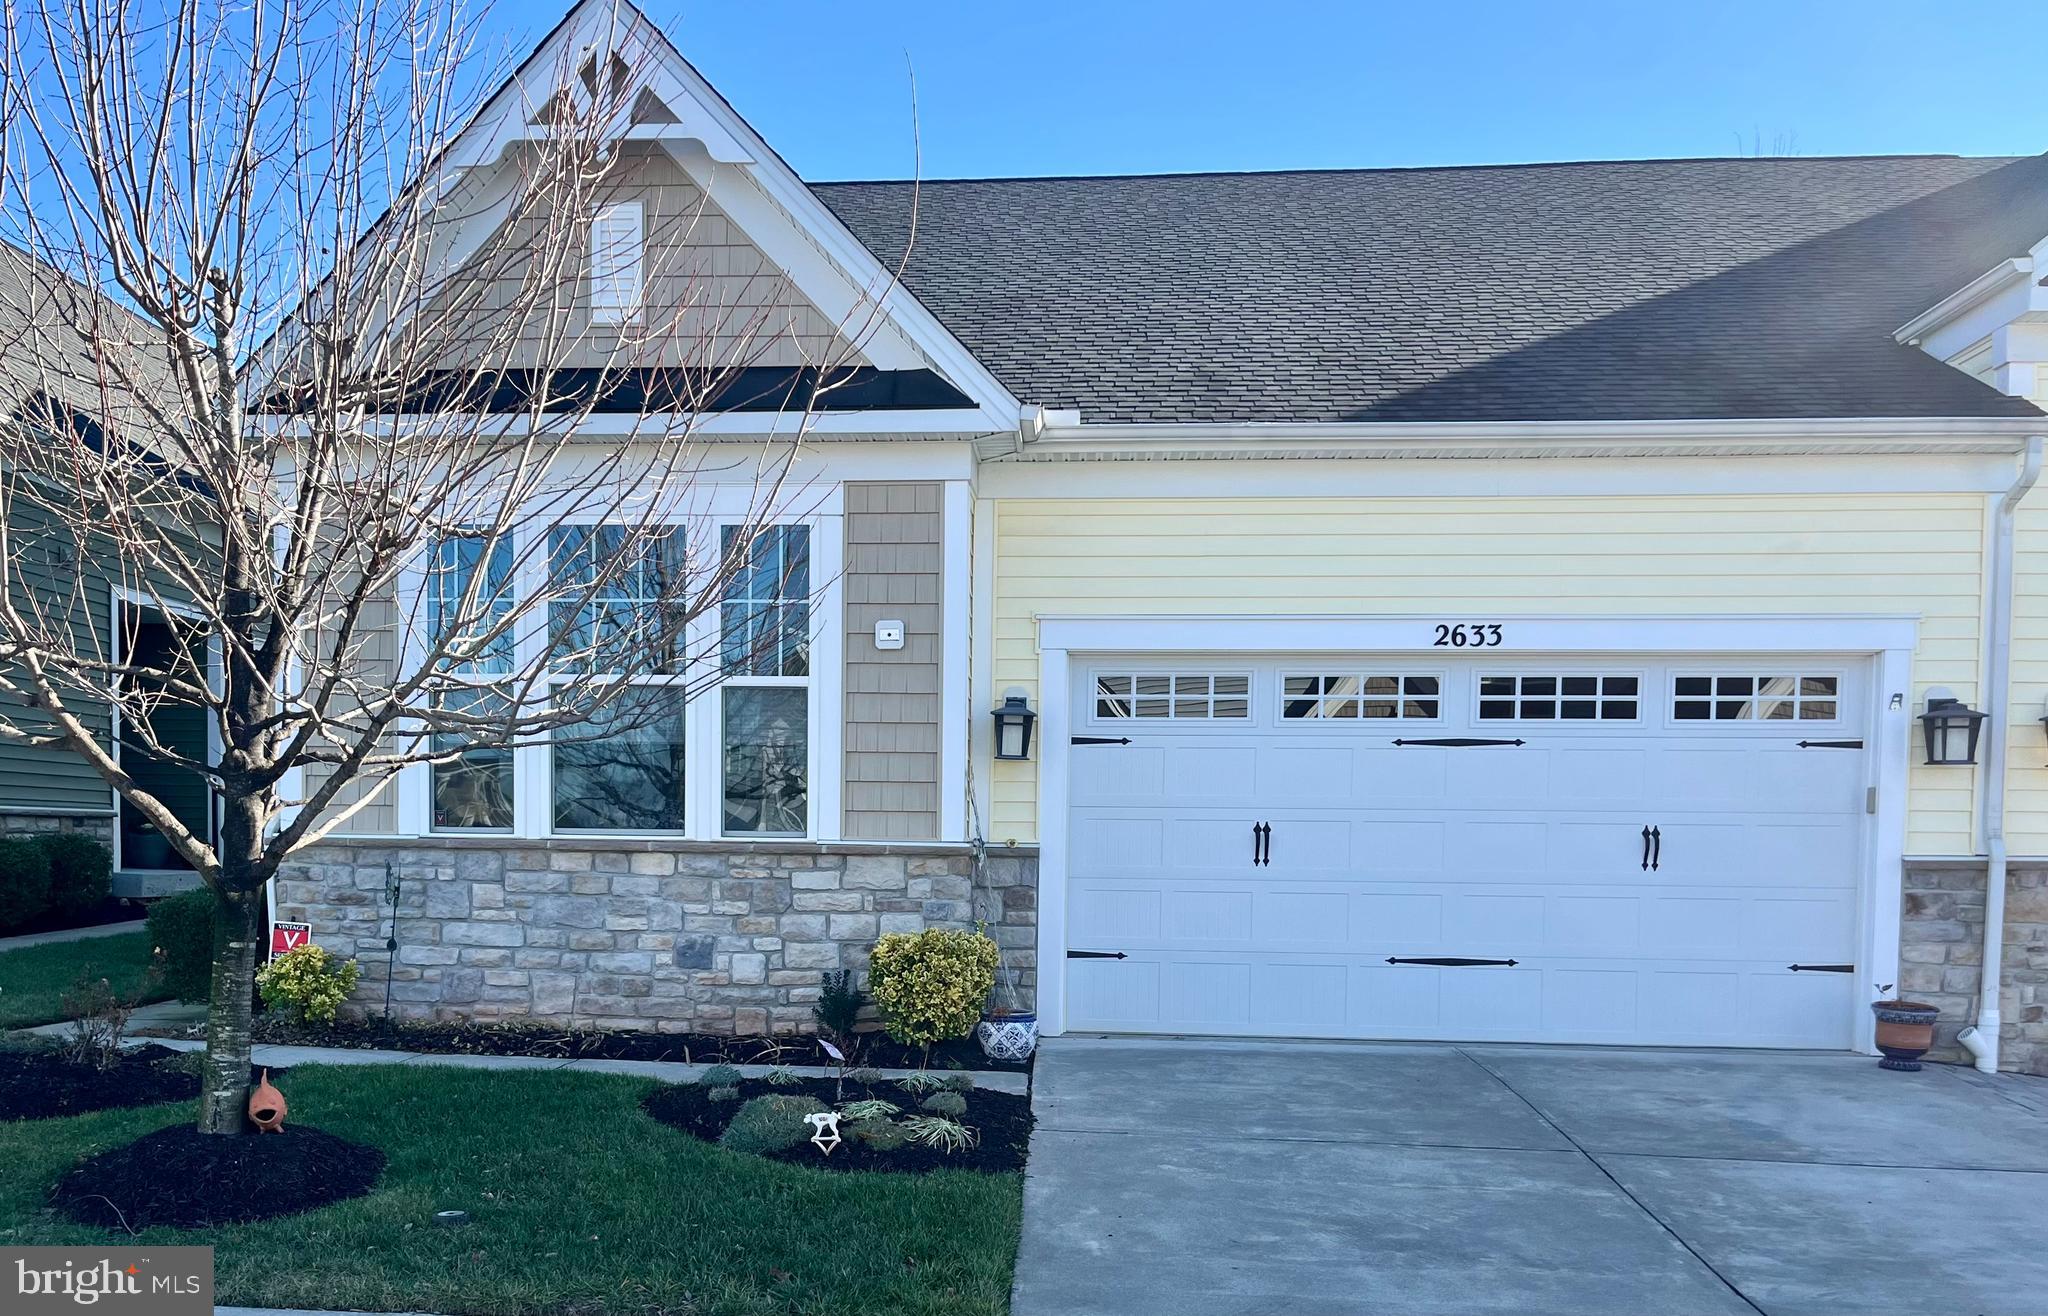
266, 1107
1905, 1029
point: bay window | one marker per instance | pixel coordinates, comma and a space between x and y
765, 650
624, 769
469, 596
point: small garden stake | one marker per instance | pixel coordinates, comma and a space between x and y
390, 942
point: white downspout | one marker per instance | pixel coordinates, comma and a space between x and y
1982, 1041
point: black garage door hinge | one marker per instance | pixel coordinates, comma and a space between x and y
1831, 744
1822, 968
1101, 740
1460, 742
1096, 955
1447, 961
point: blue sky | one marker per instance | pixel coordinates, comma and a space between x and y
1053, 86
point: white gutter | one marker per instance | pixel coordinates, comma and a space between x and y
1983, 1040
1558, 437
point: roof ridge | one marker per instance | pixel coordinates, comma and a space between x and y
1410, 169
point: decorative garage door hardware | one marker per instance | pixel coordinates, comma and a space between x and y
1102, 740
1822, 968
1831, 744
1449, 961
1096, 955
1262, 844
1653, 848
1460, 742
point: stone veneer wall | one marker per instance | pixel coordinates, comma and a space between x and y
1941, 954
670, 936
99, 827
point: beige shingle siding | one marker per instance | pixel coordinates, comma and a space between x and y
710, 297
894, 572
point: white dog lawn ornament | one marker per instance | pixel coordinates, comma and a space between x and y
826, 1134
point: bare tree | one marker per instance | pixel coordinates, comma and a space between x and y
406, 478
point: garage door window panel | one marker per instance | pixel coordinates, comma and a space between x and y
1559, 697
1360, 696
1761, 697
1172, 696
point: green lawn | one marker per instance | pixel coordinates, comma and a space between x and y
580, 1205
33, 980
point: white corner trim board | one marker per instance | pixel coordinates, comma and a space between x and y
1875, 651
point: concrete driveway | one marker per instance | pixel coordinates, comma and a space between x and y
1197, 1177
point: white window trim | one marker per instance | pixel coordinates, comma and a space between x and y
1885, 642
618, 265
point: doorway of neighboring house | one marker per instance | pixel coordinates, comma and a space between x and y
154, 642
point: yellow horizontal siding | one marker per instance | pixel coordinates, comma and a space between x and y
1894, 553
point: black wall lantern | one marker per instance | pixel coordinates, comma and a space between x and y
1014, 721
1952, 729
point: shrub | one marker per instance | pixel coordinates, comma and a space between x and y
920, 1083
99, 1016
930, 985
945, 1103
838, 1008
771, 1123
960, 1083
724, 1094
720, 1076
181, 931
81, 871
308, 982
781, 1077
948, 1136
881, 1135
866, 1077
24, 881
870, 1110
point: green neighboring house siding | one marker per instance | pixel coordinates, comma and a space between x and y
52, 779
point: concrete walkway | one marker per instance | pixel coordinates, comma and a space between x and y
284, 1057
1190, 1178
70, 934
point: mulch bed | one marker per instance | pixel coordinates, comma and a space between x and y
526, 1039
191, 1180
40, 1084
1001, 1118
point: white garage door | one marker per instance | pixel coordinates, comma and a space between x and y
1478, 848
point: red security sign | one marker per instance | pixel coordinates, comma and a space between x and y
289, 936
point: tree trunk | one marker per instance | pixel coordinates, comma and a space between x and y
238, 940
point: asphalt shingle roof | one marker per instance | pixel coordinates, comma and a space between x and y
1765, 287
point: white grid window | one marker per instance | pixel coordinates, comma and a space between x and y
1179, 696
1558, 697
1348, 695
1715, 698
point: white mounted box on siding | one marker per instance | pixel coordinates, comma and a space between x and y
616, 260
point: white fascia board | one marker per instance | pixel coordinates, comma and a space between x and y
941, 425
1541, 438
1999, 279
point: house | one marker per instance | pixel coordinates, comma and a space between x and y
47, 374
1493, 603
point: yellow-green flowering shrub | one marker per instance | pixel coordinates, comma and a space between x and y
930, 985
307, 981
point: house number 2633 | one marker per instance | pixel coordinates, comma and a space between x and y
1468, 635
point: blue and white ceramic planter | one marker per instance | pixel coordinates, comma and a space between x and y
1008, 1037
